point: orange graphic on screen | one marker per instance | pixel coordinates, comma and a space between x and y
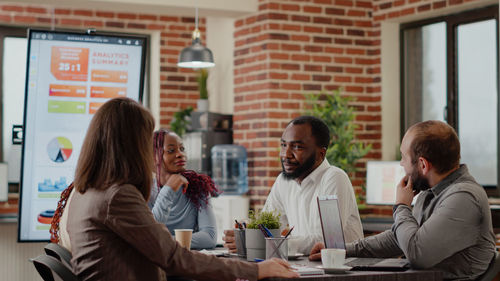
94, 106
72, 91
107, 92
109, 76
69, 64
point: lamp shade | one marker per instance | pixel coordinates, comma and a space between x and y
196, 56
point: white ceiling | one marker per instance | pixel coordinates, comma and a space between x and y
207, 8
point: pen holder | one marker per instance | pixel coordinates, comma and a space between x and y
277, 248
256, 243
241, 247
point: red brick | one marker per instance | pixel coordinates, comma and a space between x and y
335, 11
302, 38
336, 69
4, 18
301, 18
85, 13
343, 60
423, 8
321, 59
302, 77
301, 57
312, 9
455, 2
12, 8
126, 16
352, 51
408, 11
105, 14
136, 25
292, 27
93, 23
364, 4
313, 29
438, 5
356, 13
148, 17
36, 10
348, 3
169, 19
386, 5
334, 50
290, 7
24, 19
115, 24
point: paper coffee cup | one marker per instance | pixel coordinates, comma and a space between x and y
183, 236
333, 258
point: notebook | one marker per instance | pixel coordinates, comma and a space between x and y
333, 236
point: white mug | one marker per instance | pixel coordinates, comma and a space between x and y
333, 258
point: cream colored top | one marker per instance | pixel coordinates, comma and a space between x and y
63, 233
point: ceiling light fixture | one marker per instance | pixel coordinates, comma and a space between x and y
196, 55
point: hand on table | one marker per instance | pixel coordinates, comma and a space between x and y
229, 241
276, 268
315, 254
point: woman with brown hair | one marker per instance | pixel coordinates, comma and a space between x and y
180, 197
113, 234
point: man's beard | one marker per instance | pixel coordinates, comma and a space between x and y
305, 168
418, 181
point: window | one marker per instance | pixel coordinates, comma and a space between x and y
450, 73
13, 46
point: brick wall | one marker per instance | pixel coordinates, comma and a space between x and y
293, 47
178, 86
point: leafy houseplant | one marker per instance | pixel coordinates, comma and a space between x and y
180, 122
202, 83
255, 241
267, 219
202, 103
339, 116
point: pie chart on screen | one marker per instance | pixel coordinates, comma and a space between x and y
59, 149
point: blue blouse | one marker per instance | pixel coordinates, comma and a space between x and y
176, 211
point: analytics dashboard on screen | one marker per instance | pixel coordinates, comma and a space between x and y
69, 76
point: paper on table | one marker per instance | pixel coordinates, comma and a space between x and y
305, 270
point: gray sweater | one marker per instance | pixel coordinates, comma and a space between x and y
453, 233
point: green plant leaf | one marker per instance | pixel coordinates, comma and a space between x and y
271, 220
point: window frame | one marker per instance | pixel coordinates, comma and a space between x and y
452, 21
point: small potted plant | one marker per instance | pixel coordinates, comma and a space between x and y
180, 122
202, 103
255, 240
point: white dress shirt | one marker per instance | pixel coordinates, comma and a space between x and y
298, 206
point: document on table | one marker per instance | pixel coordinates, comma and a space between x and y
305, 270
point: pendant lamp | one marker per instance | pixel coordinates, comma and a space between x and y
196, 55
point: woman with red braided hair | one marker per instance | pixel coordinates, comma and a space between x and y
180, 198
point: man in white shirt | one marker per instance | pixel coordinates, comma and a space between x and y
306, 175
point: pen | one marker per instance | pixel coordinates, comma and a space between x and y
266, 233
238, 225
269, 234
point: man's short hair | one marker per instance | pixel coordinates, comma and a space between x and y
437, 142
319, 129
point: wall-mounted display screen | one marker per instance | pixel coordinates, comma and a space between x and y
69, 76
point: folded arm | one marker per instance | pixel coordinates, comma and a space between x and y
206, 236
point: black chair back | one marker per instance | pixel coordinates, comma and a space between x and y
52, 269
59, 252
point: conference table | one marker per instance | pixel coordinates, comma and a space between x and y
408, 275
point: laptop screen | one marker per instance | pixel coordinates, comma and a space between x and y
331, 224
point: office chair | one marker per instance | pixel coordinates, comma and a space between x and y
59, 252
493, 269
51, 269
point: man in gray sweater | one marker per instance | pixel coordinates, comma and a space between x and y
449, 228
